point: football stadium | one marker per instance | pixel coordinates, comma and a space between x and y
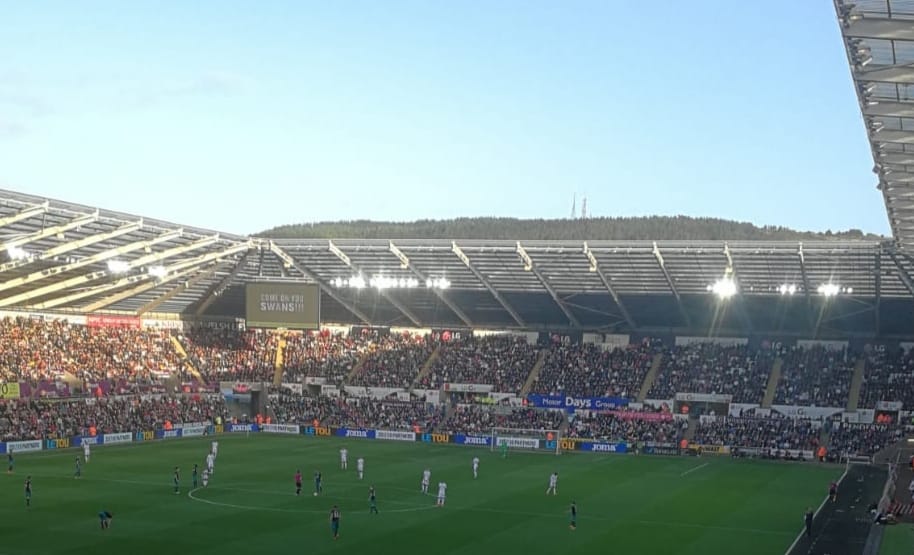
412, 393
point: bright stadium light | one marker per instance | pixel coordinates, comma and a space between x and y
357, 282
118, 266
787, 289
157, 271
17, 253
828, 289
724, 288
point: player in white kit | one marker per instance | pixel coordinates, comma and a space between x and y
442, 493
205, 477
475, 467
426, 479
344, 458
210, 461
215, 449
86, 452
360, 466
553, 483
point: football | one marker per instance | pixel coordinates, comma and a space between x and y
315, 494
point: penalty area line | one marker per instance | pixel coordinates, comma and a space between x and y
691, 470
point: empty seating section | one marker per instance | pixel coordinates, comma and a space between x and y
712, 368
815, 376
586, 370
501, 361
394, 361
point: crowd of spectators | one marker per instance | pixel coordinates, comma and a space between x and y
888, 376
29, 419
502, 361
711, 368
864, 440
36, 350
815, 376
762, 433
352, 412
325, 355
394, 361
480, 419
227, 354
588, 370
611, 427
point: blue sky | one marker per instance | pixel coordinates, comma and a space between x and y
244, 115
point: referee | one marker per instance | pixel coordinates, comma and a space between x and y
807, 518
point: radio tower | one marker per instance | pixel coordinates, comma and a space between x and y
584, 208
574, 206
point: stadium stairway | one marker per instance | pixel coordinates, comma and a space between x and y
773, 380
182, 352
650, 377
426, 368
853, 399
534, 374
280, 366
357, 369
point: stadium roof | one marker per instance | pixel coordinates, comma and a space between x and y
63, 256
879, 38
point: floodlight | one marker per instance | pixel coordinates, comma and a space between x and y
17, 253
357, 282
724, 288
118, 266
828, 289
157, 271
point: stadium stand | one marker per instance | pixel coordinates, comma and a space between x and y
611, 427
713, 368
325, 355
394, 361
815, 376
889, 376
863, 440
230, 354
480, 419
586, 370
501, 361
763, 433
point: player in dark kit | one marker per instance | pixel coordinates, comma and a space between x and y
335, 521
372, 501
104, 518
177, 480
10, 463
28, 491
318, 486
574, 516
79, 472
833, 492
298, 482
807, 520
193, 477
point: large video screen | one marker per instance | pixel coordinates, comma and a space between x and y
283, 305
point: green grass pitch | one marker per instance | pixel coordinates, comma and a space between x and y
626, 504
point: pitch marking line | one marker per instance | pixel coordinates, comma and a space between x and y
191, 495
691, 470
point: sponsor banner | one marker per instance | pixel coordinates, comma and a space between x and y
346, 432
738, 409
881, 405
461, 439
23, 446
435, 438
395, 436
703, 397
468, 387
147, 435
519, 442
620, 447
241, 428
168, 434
722, 341
192, 424
79, 441
62, 443
572, 404
816, 413
193, 431
827, 345
280, 428
112, 321
162, 324
322, 431
660, 449
218, 429
710, 449
9, 390
109, 439
295, 388
643, 416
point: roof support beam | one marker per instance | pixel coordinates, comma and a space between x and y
89, 260
93, 276
25, 214
595, 268
807, 287
72, 246
49, 232
406, 264
889, 108
219, 287
531, 267
183, 268
669, 280
880, 28
901, 73
410, 315
202, 274
284, 256
902, 273
741, 307
482, 279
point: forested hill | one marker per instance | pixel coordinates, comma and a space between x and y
651, 227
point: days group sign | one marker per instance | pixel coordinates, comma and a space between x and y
572, 404
283, 305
